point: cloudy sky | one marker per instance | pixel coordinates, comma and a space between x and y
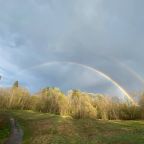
46, 42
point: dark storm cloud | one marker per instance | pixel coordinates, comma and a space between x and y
96, 33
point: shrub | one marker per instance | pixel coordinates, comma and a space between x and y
106, 108
77, 104
52, 100
14, 98
81, 105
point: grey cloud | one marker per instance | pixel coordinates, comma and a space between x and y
66, 76
93, 32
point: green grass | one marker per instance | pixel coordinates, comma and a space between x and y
4, 127
42, 128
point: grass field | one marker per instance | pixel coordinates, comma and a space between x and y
4, 127
42, 128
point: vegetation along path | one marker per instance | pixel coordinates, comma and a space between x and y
16, 133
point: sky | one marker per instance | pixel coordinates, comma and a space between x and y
40, 39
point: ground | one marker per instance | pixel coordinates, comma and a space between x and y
42, 128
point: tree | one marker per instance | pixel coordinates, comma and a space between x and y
16, 84
52, 100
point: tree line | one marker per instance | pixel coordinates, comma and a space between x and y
76, 104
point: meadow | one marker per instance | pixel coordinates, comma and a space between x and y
40, 128
51, 117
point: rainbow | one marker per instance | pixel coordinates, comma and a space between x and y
92, 69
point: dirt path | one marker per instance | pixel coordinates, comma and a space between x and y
16, 133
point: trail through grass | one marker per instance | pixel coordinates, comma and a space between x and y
40, 128
16, 133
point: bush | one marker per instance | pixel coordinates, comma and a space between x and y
106, 108
14, 98
77, 104
52, 100
81, 105
129, 112
141, 103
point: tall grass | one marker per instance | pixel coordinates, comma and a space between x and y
76, 104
